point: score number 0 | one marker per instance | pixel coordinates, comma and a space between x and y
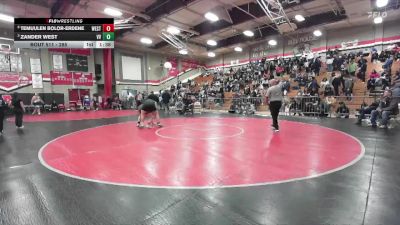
108, 32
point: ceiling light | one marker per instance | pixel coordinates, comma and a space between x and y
211, 42
238, 49
317, 33
272, 42
146, 41
6, 18
381, 3
211, 17
112, 12
183, 52
378, 20
299, 18
211, 54
248, 33
173, 30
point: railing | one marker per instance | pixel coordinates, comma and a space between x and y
298, 105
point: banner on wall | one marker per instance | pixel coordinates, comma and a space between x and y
71, 51
57, 62
349, 44
83, 79
37, 81
10, 81
61, 78
70, 78
35, 65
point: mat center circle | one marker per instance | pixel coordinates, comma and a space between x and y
201, 153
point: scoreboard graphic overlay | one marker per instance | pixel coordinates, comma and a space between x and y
64, 33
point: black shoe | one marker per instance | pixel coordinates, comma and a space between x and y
374, 126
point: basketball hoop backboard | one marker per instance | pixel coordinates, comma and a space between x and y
7, 46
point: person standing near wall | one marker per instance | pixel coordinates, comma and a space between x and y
19, 110
166, 97
37, 103
274, 98
2, 112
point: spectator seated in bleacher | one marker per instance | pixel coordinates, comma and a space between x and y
373, 80
374, 75
86, 103
387, 107
388, 63
54, 106
188, 105
342, 111
95, 102
326, 105
116, 103
366, 110
313, 87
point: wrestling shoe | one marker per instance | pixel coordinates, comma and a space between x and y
275, 130
383, 126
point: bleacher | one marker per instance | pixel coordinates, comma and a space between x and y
360, 92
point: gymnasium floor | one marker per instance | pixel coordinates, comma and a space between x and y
210, 169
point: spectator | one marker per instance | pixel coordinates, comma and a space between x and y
95, 103
388, 63
130, 99
374, 56
329, 64
109, 102
352, 68
366, 110
389, 106
342, 111
116, 103
166, 97
336, 81
317, 66
372, 81
326, 105
348, 87
313, 87
374, 75
86, 102
54, 106
362, 71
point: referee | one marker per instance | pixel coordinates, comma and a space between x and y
274, 99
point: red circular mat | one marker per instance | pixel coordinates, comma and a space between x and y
201, 153
81, 115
